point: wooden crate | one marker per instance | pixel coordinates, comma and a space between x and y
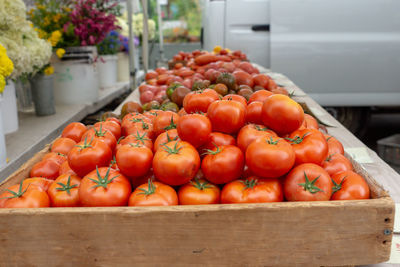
270, 234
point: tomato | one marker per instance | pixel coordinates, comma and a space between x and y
253, 112
272, 84
307, 182
153, 194
243, 77
335, 163
221, 88
141, 127
252, 190
42, 183
112, 126
218, 139
165, 121
24, 196
309, 145
223, 164
226, 116
137, 138
116, 120
161, 70
349, 185
64, 192
166, 137
134, 161
194, 128
151, 75
74, 131
199, 101
65, 168
62, 145
270, 157
252, 132
104, 187
101, 134
237, 98
280, 90
310, 122
334, 145
261, 80
282, 114
182, 112
176, 163
87, 155
152, 114
205, 59
57, 157
260, 96
198, 192
46, 168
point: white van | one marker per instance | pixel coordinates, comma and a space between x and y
343, 53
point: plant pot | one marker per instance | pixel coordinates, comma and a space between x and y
123, 65
43, 94
76, 78
24, 96
9, 111
107, 67
3, 153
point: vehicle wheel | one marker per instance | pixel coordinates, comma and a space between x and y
355, 119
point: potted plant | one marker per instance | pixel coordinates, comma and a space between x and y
107, 60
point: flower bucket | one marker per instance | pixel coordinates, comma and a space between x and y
43, 94
3, 154
123, 65
107, 67
76, 78
9, 110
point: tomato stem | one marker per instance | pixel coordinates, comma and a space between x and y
337, 186
201, 185
212, 152
271, 141
174, 150
85, 144
261, 129
18, 194
329, 158
66, 187
136, 120
100, 132
310, 186
151, 189
297, 139
141, 138
172, 125
249, 183
103, 182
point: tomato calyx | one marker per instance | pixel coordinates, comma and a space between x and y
136, 120
212, 152
327, 139
291, 94
66, 187
201, 185
137, 144
271, 141
297, 139
249, 183
119, 140
102, 181
337, 186
85, 144
171, 126
174, 150
310, 185
113, 161
153, 113
329, 158
100, 132
151, 189
141, 138
18, 194
261, 129
145, 126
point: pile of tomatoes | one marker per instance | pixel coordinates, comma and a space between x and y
229, 150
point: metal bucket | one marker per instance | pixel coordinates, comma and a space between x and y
43, 94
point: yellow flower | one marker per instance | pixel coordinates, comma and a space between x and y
67, 9
55, 38
42, 34
217, 49
2, 83
57, 17
60, 52
6, 65
49, 70
46, 21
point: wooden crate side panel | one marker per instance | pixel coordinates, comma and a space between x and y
305, 234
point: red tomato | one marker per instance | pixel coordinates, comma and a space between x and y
194, 128
153, 194
223, 164
252, 190
151, 75
57, 157
237, 98
139, 107
282, 114
226, 116
65, 168
101, 134
270, 157
112, 126
218, 139
46, 168
205, 59
74, 130
166, 137
88, 155
24, 196
176, 163
260, 96
62, 145
165, 121
334, 145
243, 77
272, 84
307, 182
253, 112
348, 185
198, 192
134, 161
247, 67
335, 163
309, 145
138, 138
104, 187
310, 122
261, 80
42, 183
199, 101
152, 114
161, 70
252, 132
64, 191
